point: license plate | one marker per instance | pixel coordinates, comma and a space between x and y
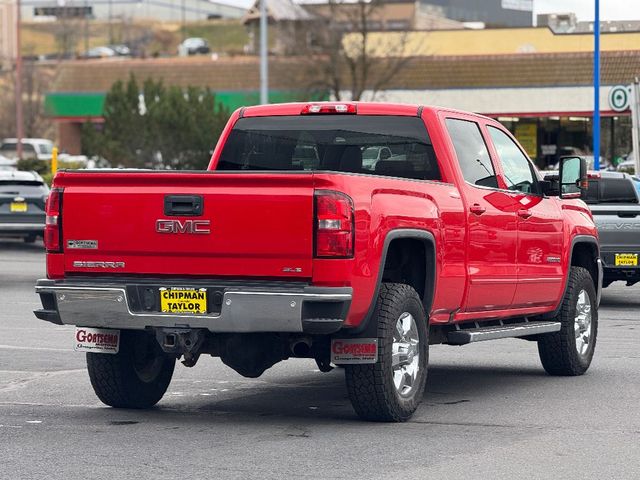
18, 207
183, 300
97, 340
626, 259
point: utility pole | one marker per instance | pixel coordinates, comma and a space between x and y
111, 41
635, 122
596, 89
264, 60
18, 88
184, 28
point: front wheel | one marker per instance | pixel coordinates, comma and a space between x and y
136, 377
569, 352
391, 389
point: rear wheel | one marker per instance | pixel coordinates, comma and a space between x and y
570, 351
136, 377
391, 389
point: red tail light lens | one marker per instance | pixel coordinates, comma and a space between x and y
53, 221
334, 225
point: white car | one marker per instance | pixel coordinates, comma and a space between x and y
39, 148
372, 155
629, 165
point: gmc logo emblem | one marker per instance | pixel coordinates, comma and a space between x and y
202, 227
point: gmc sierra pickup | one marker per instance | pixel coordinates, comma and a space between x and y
452, 238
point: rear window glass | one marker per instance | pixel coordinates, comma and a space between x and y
379, 145
611, 190
12, 147
22, 187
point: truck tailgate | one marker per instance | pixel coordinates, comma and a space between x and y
132, 223
618, 230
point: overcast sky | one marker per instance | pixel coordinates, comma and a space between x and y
609, 9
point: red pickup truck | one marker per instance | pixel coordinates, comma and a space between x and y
292, 246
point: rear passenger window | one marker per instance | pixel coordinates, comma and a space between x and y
472, 153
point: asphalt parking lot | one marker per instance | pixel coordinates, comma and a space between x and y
489, 412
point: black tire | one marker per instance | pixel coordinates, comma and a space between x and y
136, 377
558, 350
371, 387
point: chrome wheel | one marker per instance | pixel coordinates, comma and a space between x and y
406, 354
582, 323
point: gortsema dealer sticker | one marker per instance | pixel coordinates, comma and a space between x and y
96, 340
354, 350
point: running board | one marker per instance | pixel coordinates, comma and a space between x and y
479, 334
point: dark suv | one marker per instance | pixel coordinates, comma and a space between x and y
22, 201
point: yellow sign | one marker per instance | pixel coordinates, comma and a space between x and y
527, 135
626, 259
183, 300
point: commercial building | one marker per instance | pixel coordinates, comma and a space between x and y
494, 13
537, 83
161, 10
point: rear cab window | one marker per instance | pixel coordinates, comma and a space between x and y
395, 146
618, 189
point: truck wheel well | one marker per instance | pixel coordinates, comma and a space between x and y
585, 255
411, 261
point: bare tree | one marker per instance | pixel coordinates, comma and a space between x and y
35, 82
346, 59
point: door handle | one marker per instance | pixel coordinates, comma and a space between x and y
477, 209
524, 213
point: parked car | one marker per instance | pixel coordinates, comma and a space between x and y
194, 46
372, 155
7, 163
101, 51
22, 205
39, 148
628, 165
257, 260
614, 202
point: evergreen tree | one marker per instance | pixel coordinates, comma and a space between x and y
156, 126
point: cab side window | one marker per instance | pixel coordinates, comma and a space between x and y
472, 153
517, 170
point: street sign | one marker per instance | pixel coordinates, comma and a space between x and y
620, 98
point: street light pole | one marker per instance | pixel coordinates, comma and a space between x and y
596, 89
18, 87
264, 65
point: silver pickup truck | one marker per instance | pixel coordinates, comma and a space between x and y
614, 201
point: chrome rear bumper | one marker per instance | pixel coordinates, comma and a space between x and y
252, 309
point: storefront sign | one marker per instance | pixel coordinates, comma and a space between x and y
620, 98
527, 135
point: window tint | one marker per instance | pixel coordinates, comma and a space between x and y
517, 169
472, 153
612, 190
379, 145
12, 147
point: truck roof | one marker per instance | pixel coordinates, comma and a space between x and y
363, 108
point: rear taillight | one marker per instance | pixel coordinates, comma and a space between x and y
53, 221
334, 225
